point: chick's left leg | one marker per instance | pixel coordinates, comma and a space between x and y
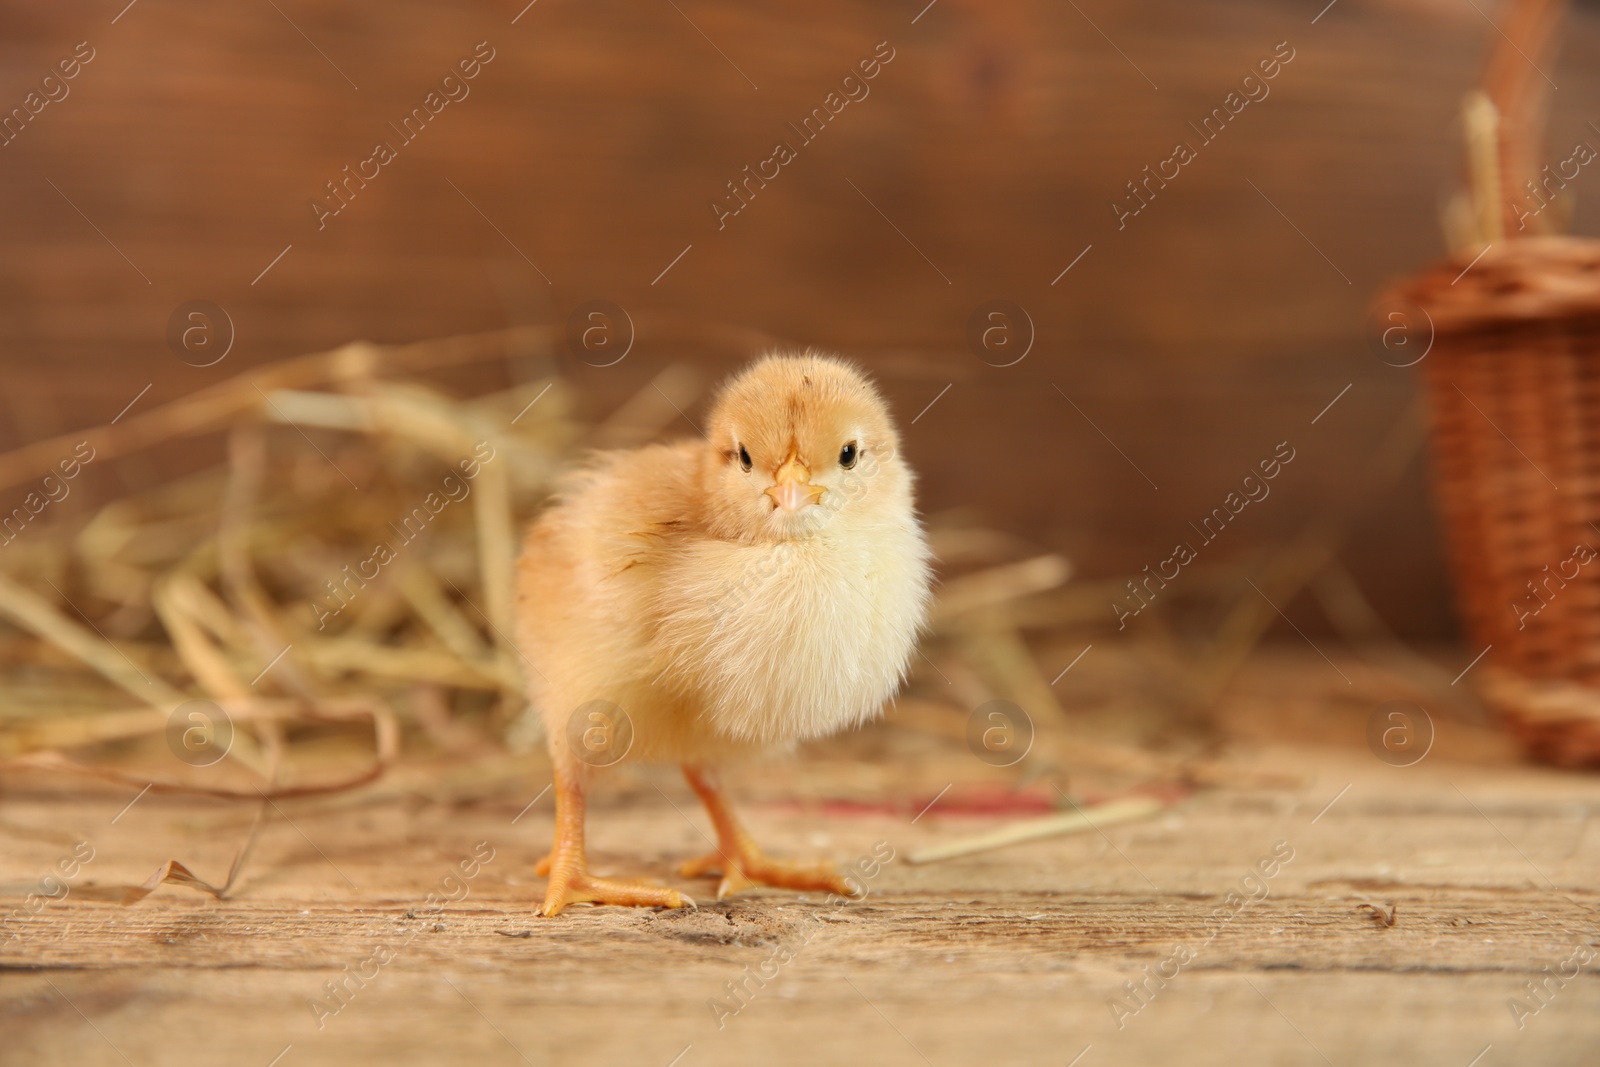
740, 860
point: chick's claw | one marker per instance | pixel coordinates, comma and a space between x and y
752, 867
578, 887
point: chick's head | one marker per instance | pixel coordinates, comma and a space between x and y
800, 445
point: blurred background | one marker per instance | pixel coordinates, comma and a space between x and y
184, 162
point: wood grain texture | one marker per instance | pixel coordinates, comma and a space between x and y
1487, 867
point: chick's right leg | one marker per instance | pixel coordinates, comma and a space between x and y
568, 866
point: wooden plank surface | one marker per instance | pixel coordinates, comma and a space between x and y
1488, 867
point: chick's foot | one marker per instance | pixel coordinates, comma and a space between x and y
746, 866
581, 887
567, 865
740, 860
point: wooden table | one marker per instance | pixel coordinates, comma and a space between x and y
1417, 904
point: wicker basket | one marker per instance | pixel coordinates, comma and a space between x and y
1514, 381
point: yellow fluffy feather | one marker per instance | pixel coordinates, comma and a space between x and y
730, 596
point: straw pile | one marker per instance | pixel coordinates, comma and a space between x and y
352, 558
347, 573
350, 563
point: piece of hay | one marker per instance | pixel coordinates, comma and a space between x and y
1093, 817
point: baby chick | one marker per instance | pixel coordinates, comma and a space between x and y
715, 599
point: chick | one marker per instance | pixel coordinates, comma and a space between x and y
716, 599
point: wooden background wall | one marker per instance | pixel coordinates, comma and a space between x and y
1206, 331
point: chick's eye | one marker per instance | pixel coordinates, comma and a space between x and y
847, 456
744, 457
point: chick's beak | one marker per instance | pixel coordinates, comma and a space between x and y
794, 490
